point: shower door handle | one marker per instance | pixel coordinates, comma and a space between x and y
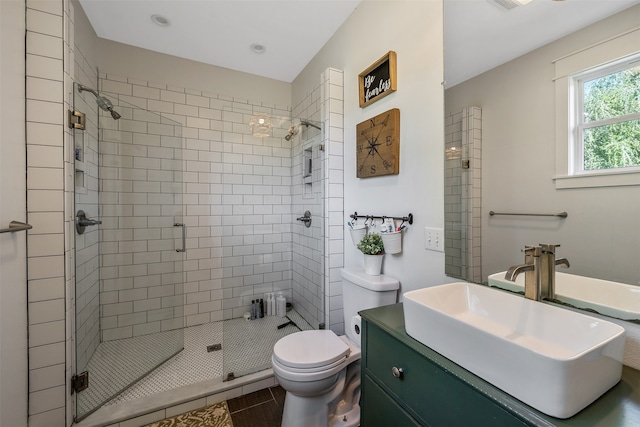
184, 236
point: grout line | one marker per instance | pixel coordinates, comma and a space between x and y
275, 401
249, 407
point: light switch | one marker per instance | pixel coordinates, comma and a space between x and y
434, 239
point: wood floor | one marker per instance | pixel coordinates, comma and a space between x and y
259, 409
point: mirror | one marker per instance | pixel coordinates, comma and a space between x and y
519, 171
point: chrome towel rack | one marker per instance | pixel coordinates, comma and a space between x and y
16, 226
559, 214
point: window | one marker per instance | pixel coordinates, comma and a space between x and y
606, 131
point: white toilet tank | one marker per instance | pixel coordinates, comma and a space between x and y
361, 291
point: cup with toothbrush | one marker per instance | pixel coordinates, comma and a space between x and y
358, 231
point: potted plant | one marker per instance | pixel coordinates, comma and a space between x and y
373, 249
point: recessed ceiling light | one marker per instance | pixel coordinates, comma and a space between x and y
258, 48
160, 20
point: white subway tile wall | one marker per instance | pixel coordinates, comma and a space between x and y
332, 96
237, 207
315, 256
308, 195
48, 202
463, 141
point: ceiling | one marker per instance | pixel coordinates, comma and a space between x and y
479, 35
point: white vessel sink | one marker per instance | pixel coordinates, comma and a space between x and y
606, 297
555, 360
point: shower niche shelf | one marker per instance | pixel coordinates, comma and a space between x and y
307, 165
79, 160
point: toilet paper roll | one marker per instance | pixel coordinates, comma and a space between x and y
356, 322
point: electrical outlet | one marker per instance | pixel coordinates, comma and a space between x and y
434, 239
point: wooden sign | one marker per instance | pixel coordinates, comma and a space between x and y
379, 80
378, 145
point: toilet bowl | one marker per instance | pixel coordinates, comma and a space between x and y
314, 368
319, 370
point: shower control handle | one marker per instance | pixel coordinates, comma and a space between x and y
184, 237
89, 222
306, 219
82, 221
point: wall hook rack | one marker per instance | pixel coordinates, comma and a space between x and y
408, 218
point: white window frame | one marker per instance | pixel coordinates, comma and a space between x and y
577, 137
589, 59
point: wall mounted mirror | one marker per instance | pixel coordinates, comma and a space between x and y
512, 163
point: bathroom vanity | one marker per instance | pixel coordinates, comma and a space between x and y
405, 383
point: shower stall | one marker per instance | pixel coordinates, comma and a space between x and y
178, 230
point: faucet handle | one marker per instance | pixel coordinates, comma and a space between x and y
549, 248
532, 250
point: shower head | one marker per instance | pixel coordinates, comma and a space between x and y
106, 105
114, 114
292, 131
103, 102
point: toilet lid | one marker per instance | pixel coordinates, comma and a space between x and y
310, 349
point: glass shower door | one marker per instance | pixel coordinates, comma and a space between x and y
129, 252
287, 242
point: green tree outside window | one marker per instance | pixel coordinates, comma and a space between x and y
611, 121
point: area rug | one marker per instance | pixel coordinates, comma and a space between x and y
216, 415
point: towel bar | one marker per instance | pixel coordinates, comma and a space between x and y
560, 214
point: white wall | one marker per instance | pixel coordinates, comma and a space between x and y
413, 29
13, 268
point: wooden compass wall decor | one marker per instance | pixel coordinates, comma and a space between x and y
378, 145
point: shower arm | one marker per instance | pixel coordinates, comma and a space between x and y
82, 88
307, 124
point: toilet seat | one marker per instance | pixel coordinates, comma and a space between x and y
322, 368
310, 351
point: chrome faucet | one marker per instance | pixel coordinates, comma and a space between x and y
548, 275
540, 271
532, 269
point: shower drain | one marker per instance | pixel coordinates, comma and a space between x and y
214, 347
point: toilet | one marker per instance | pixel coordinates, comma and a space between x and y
320, 370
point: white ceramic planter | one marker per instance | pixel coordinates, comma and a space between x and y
373, 264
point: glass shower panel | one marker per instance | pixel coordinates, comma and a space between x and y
463, 194
129, 265
455, 198
289, 259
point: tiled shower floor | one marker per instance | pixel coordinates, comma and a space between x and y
246, 346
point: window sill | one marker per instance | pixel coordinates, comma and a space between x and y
594, 180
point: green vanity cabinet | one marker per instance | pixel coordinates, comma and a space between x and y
382, 410
427, 394
405, 383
